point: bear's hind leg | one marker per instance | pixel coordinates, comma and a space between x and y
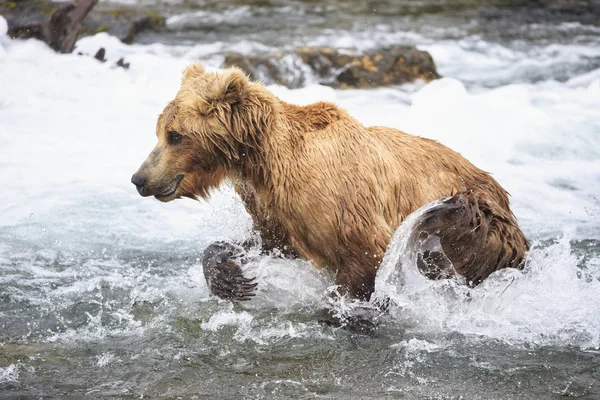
469, 235
350, 305
224, 275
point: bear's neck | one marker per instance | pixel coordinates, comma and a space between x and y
267, 167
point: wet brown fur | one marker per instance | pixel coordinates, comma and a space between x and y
321, 185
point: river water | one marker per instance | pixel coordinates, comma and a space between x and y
102, 292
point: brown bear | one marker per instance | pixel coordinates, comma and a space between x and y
321, 186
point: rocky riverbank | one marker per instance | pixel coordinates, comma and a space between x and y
29, 18
299, 42
60, 24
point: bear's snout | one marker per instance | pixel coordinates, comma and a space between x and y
139, 180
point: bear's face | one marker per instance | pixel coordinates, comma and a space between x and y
181, 163
202, 134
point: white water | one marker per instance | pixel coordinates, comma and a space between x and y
73, 130
550, 302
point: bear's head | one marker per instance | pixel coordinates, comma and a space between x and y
213, 128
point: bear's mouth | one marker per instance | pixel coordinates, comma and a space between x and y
170, 190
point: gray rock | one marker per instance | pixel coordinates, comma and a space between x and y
339, 69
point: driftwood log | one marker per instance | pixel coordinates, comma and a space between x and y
63, 29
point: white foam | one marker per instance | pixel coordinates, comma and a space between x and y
261, 331
286, 284
551, 302
105, 359
3, 26
415, 346
73, 132
306, 95
9, 374
227, 318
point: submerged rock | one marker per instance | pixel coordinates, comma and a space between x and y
121, 63
389, 66
100, 55
337, 68
284, 69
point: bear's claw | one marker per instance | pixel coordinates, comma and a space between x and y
224, 276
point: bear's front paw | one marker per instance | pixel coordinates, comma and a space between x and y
227, 281
224, 276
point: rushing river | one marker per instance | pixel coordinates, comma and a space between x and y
102, 292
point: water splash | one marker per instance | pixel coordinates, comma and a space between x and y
9, 376
553, 301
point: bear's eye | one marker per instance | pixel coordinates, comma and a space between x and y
174, 137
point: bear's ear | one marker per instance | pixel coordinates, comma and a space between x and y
193, 71
232, 86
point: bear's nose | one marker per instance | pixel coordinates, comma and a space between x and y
139, 180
